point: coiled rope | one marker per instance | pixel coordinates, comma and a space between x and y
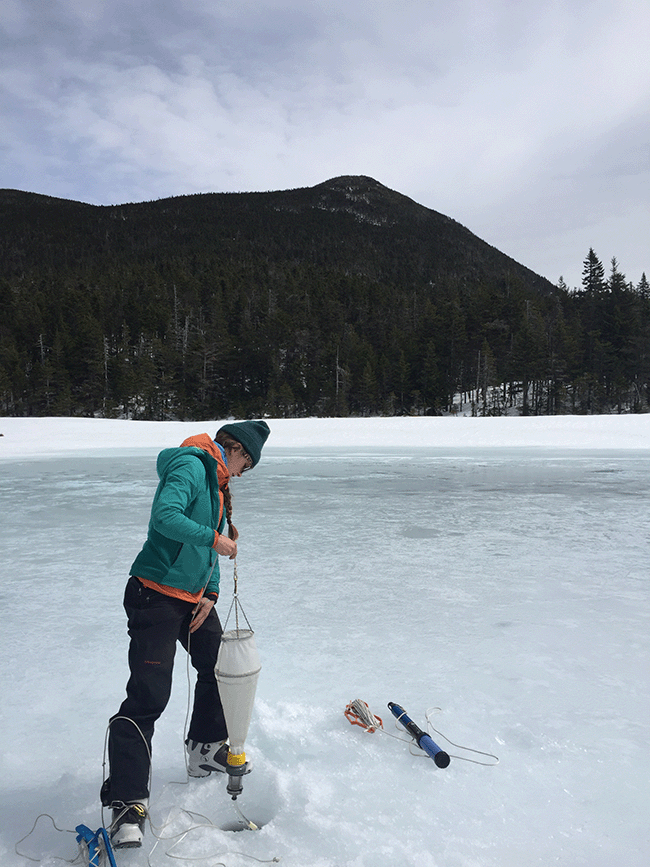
358, 713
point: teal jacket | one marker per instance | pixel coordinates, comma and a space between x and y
187, 509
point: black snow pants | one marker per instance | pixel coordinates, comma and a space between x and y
155, 623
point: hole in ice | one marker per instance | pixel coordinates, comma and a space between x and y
240, 825
246, 820
258, 803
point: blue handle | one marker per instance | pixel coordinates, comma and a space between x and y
440, 757
429, 746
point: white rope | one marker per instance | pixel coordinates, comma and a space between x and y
366, 717
459, 747
31, 831
157, 830
178, 839
372, 723
104, 762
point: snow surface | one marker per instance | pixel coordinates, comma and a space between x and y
26, 437
494, 568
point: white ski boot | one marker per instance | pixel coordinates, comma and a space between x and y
203, 759
127, 827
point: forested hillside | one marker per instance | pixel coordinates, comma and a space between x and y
344, 298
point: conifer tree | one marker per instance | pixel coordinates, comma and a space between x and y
593, 273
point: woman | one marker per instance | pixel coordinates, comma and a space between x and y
170, 597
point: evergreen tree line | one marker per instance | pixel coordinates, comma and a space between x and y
188, 338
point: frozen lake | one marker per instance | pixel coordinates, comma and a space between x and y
508, 587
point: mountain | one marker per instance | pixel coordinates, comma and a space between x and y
346, 297
352, 224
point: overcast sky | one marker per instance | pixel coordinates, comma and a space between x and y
526, 121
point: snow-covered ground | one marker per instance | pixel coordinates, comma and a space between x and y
29, 437
496, 569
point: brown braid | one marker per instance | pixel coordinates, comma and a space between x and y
229, 444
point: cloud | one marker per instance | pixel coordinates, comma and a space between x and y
525, 122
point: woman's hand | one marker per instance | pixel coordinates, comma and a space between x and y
201, 612
226, 547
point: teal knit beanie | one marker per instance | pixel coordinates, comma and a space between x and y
251, 434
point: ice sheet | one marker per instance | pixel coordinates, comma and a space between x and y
506, 586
